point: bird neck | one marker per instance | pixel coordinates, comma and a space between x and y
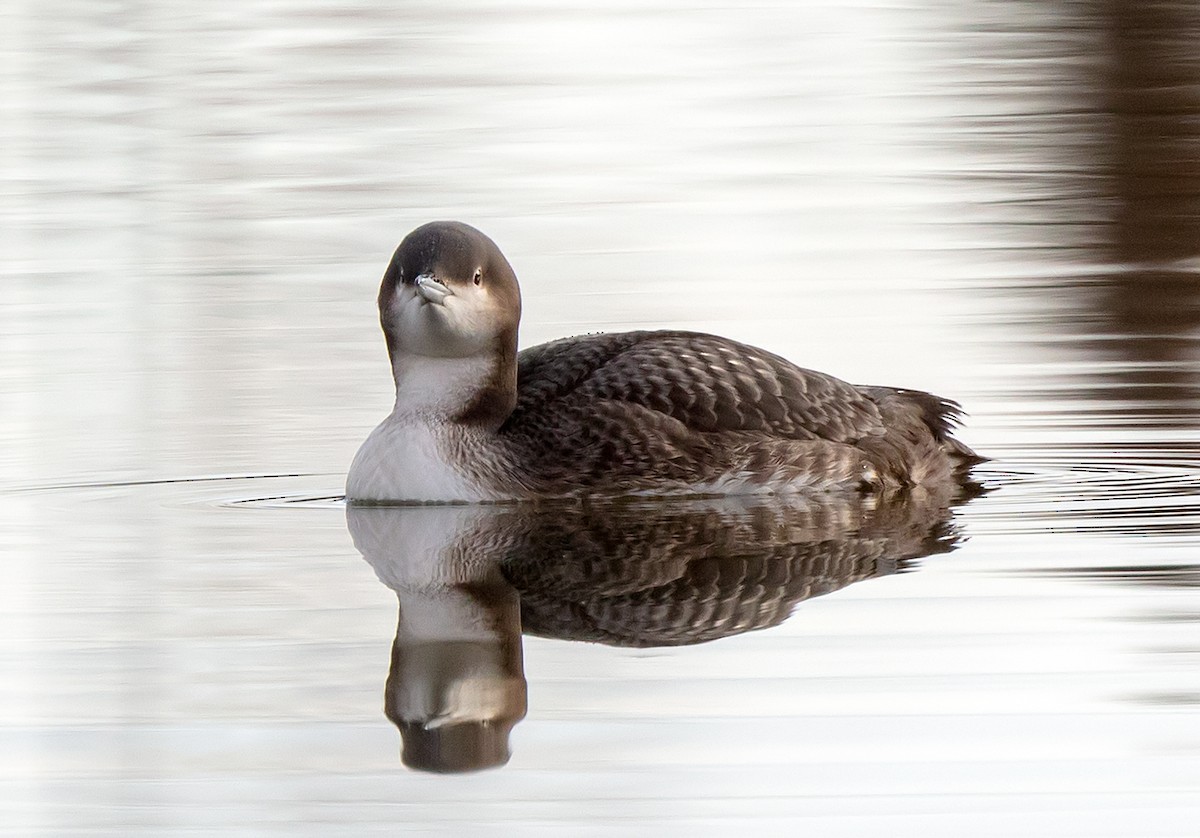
478, 391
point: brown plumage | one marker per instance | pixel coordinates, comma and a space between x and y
653, 412
683, 408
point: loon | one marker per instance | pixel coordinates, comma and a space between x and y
630, 413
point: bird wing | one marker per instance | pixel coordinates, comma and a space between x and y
708, 383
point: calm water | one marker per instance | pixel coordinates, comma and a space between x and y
995, 201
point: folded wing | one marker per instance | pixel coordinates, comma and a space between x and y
708, 383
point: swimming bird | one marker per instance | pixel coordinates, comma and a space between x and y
630, 413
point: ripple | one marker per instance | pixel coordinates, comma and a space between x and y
291, 500
198, 490
158, 481
1131, 490
1126, 490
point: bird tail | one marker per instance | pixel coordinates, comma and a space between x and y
941, 416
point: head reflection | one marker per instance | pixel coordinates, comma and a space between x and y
456, 685
469, 579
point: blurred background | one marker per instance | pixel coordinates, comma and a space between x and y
995, 200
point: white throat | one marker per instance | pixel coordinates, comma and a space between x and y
438, 388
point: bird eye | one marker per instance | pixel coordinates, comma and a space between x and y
478, 278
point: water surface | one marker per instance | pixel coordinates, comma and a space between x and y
998, 202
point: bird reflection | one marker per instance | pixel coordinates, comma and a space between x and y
470, 579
